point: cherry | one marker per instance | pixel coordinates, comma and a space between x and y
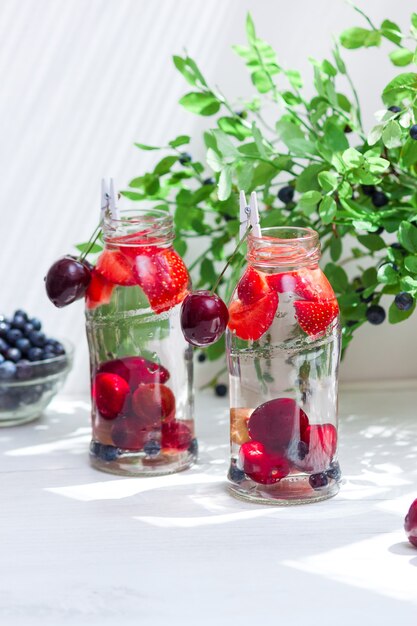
261, 466
204, 318
410, 524
67, 281
110, 392
275, 423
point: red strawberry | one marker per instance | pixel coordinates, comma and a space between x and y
153, 403
127, 434
110, 392
261, 466
252, 286
314, 317
136, 370
321, 444
99, 291
115, 268
251, 321
277, 422
163, 277
176, 435
310, 284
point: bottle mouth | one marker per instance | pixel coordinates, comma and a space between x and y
284, 246
139, 227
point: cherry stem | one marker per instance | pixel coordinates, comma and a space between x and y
92, 241
231, 257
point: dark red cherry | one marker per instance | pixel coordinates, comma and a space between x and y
410, 524
204, 318
67, 280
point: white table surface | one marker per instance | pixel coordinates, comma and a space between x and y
82, 547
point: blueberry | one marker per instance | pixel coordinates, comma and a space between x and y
108, 453
413, 131
37, 325
302, 450
193, 447
185, 157
18, 322
394, 109
235, 474
209, 181
28, 327
37, 338
152, 448
396, 246
404, 301
59, 348
48, 353
351, 323
220, 390
13, 335
4, 329
13, 354
23, 344
379, 199
7, 370
286, 194
375, 314
95, 448
3, 345
379, 231
368, 190
228, 218
334, 471
23, 370
318, 481
201, 357
35, 354
3, 318
1, 358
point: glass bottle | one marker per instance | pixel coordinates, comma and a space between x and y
141, 366
283, 350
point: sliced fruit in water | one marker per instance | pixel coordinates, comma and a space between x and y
110, 392
315, 316
176, 434
115, 268
99, 291
153, 403
239, 425
252, 286
136, 370
307, 283
277, 422
127, 434
260, 465
321, 444
251, 321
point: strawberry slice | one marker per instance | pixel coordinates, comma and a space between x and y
110, 392
163, 277
310, 284
252, 286
315, 316
99, 291
115, 268
251, 321
153, 403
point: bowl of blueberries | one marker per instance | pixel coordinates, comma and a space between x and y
33, 367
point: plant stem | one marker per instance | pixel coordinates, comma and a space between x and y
213, 290
91, 242
213, 382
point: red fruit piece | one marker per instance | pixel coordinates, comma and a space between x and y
136, 370
127, 434
252, 286
261, 466
115, 268
314, 317
153, 403
99, 291
310, 284
163, 277
321, 444
410, 524
276, 423
110, 392
251, 321
176, 435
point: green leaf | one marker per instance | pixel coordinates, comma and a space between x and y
327, 209
409, 152
207, 272
401, 57
407, 236
408, 284
327, 181
294, 78
414, 19
352, 158
245, 176
391, 135
216, 350
262, 81
250, 29
395, 315
337, 277
214, 160
308, 179
181, 140
334, 137
372, 242
224, 144
310, 198
335, 248
360, 37
143, 146
164, 166
328, 68
410, 264
182, 67
94, 249
402, 86
225, 183
233, 126
387, 274
133, 195
180, 246
339, 61
369, 277
200, 103
391, 31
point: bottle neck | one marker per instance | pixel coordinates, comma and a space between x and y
139, 227
284, 248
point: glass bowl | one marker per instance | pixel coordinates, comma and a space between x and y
22, 401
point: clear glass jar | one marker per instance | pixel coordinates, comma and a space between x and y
141, 365
283, 350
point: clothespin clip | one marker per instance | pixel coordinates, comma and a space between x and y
108, 199
249, 215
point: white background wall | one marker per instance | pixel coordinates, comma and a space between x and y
81, 80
